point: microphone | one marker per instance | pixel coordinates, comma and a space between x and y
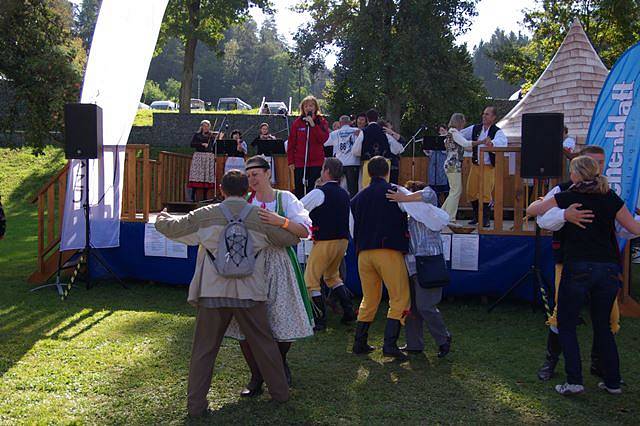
309, 114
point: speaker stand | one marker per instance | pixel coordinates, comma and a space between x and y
534, 272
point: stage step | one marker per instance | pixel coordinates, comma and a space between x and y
180, 206
50, 267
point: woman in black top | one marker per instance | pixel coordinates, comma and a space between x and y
202, 170
591, 260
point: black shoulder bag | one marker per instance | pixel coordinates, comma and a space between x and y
432, 271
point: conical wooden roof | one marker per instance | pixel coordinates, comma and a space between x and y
570, 84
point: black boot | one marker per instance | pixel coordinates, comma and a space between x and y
474, 206
391, 334
486, 216
348, 316
254, 388
445, 348
319, 313
554, 350
360, 345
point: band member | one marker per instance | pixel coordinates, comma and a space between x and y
342, 141
219, 299
203, 163
373, 141
361, 121
307, 154
233, 162
489, 135
381, 240
265, 134
329, 210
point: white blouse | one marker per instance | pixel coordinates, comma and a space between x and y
293, 209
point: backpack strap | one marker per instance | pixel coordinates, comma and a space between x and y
245, 212
227, 213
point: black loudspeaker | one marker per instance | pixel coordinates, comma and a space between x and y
83, 130
541, 155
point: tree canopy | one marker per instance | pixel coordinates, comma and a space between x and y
399, 57
43, 62
612, 26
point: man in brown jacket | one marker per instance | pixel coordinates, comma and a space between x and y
218, 299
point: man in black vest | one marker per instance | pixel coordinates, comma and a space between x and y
329, 211
490, 135
381, 237
374, 141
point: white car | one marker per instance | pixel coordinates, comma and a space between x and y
276, 107
143, 106
164, 105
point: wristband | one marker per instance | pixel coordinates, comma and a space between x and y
285, 225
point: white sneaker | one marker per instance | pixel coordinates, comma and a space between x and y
569, 389
612, 391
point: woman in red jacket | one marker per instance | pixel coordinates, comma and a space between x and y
298, 153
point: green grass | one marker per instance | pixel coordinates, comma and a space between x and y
116, 356
144, 117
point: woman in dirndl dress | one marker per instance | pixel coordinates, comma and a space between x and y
288, 304
203, 163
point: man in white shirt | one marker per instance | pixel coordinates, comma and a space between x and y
569, 143
373, 141
490, 135
342, 141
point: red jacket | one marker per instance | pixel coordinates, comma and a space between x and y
318, 135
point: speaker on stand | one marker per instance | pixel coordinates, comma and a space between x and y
540, 159
83, 141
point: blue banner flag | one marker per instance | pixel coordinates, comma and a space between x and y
615, 126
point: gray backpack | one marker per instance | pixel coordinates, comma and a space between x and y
236, 256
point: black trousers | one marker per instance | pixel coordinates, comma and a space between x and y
352, 174
313, 173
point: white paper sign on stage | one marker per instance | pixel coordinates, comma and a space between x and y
156, 244
465, 249
123, 42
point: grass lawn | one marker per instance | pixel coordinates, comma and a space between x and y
144, 117
116, 356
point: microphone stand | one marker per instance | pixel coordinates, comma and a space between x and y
215, 160
413, 150
306, 158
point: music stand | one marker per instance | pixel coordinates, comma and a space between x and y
228, 147
269, 147
433, 143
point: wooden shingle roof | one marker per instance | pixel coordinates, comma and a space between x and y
570, 84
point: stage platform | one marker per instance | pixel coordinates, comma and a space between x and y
502, 259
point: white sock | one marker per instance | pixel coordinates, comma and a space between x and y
315, 293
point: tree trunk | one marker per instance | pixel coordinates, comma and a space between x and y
393, 111
187, 75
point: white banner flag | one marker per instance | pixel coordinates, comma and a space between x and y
123, 43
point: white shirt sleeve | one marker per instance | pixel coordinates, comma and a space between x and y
331, 141
294, 210
356, 149
313, 199
459, 139
395, 146
553, 219
467, 132
500, 139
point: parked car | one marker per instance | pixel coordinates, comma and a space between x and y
142, 105
164, 105
197, 104
228, 104
277, 107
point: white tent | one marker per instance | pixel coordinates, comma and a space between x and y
570, 84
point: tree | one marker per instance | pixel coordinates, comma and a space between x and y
191, 21
485, 67
152, 92
43, 62
85, 22
612, 26
399, 57
172, 89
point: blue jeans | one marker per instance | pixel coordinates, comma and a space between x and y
599, 283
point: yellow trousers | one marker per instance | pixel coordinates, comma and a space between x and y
614, 319
366, 179
473, 183
324, 262
376, 266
